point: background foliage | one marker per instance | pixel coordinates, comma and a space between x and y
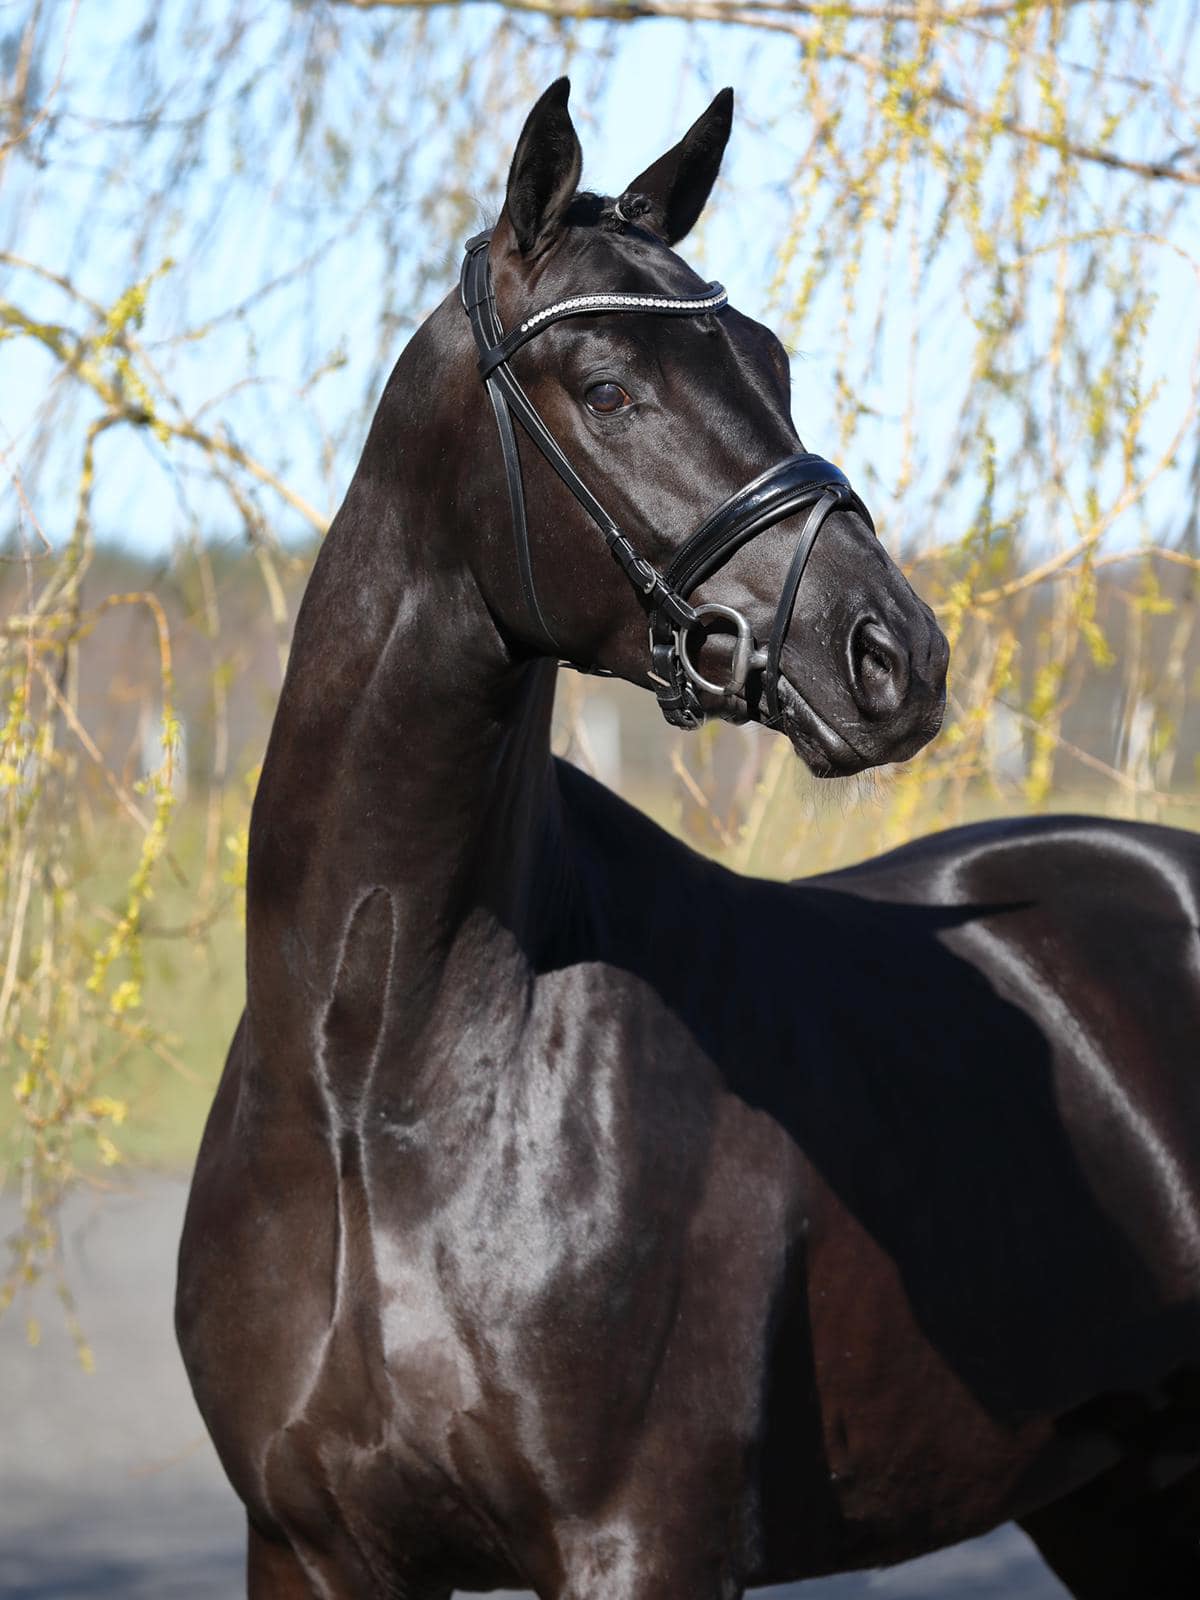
975, 225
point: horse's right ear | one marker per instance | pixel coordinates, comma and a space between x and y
545, 171
678, 184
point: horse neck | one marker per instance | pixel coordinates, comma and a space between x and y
409, 755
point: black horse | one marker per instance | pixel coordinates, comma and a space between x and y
574, 1214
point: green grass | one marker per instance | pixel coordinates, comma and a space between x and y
193, 996
192, 991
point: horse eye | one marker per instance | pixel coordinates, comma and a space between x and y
605, 398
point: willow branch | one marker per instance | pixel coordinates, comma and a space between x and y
215, 444
768, 18
746, 12
23, 77
75, 355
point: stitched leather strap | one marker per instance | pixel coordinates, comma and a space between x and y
480, 305
509, 398
787, 599
774, 495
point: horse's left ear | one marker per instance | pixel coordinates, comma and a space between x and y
679, 183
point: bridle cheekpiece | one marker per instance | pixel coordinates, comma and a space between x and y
799, 481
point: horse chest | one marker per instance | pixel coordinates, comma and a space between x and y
581, 1285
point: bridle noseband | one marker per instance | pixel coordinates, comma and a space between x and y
783, 490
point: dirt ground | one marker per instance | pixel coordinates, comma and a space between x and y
109, 1489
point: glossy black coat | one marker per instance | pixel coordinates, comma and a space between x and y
575, 1214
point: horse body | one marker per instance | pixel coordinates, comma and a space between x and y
575, 1214
672, 1248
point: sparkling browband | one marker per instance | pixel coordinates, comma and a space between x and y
715, 300
584, 304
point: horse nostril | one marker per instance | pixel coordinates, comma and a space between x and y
880, 669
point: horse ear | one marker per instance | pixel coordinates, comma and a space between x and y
545, 170
679, 183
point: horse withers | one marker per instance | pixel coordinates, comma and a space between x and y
575, 1214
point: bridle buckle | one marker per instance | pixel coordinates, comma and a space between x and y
646, 577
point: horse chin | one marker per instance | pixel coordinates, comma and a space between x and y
828, 753
819, 745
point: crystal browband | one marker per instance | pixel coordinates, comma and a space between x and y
579, 305
715, 300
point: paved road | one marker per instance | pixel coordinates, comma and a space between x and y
109, 1489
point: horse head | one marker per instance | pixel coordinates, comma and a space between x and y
661, 417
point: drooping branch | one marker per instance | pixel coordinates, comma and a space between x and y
77, 357
748, 13
779, 19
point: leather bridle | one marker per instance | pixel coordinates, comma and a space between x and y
799, 481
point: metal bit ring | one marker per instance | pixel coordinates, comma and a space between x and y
746, 659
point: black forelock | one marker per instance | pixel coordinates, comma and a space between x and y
630, 249
587, 210
611, 215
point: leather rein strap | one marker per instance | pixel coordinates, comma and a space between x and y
783, 490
